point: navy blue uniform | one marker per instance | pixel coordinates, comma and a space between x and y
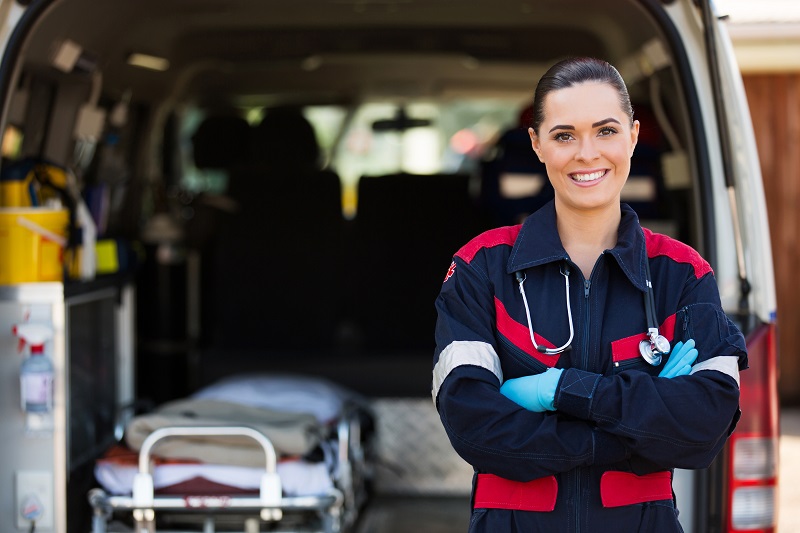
603, 460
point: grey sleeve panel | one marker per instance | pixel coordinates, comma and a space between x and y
726, 364
459, 353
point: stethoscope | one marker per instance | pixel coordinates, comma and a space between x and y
651, 349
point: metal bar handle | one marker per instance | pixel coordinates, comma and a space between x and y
270, 493
206, 431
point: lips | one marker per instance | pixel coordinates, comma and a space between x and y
588, 176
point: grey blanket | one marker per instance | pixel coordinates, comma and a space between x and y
291, 434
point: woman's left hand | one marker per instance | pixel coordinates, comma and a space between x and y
680, 361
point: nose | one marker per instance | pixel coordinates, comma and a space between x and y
587, 150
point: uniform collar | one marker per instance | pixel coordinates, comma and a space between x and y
538, 243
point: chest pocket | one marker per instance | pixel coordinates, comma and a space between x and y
625, 353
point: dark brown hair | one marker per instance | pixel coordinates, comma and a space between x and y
575, 71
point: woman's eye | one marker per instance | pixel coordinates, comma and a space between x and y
563, 137
606, 131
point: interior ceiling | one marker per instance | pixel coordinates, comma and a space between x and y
306, 46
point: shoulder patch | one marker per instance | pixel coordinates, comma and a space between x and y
505, 235
658, 244
450, 271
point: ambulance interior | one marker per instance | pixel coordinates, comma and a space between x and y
287, 181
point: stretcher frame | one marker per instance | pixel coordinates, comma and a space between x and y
337, 510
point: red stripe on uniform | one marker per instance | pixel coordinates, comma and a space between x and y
520, 335
489, 239
495, 492
624, 488
658, 244
628, 348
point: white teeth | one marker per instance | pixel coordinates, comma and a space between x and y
588, 177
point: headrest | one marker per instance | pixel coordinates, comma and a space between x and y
515, 153
285, 138
221, 142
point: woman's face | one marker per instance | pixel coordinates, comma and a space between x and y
586, 143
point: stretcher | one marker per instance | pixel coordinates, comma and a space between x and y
279, 495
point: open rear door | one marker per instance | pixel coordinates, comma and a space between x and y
742, 484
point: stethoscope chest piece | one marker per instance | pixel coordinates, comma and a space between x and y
656, 344
651, 349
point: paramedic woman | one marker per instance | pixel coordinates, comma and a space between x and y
539, 377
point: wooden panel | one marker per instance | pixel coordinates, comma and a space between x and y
775, 108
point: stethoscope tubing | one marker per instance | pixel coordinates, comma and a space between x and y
655, 346
548, 351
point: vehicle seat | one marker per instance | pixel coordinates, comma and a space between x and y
514, 182
407, 229
219, 144
279, 257
645, 190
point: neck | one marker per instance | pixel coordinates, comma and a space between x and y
586, 234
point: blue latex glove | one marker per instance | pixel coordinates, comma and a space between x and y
681, 359
534, 393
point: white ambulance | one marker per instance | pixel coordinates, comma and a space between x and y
253, 177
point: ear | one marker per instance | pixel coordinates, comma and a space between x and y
634, 135
535, 144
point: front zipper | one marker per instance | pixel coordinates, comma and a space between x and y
587, 284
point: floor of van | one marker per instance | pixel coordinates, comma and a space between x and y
421, 514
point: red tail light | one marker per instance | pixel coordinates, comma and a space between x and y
753, 466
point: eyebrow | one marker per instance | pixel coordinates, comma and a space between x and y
595, 125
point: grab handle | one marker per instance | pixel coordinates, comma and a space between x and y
270, 494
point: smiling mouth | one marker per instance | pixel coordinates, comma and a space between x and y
591, 176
